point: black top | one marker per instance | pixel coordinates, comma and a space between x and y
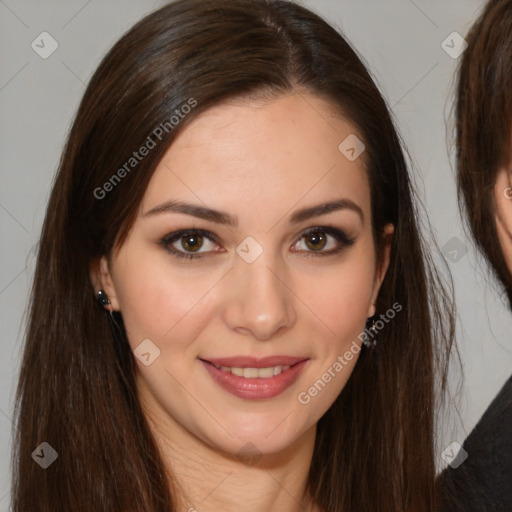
483, 482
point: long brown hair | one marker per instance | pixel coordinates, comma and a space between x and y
484, 127
374, 448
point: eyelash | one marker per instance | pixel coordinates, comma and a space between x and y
343, 239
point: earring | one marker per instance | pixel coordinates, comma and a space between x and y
370, 332
102, 298
373, 327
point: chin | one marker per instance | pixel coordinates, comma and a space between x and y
263, 436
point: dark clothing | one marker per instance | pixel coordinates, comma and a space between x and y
483, 482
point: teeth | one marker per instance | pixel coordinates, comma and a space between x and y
239, 372
254, 373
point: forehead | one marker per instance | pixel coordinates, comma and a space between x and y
263, 156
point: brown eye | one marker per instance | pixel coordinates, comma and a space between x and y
316, 241
322, 241
192, 242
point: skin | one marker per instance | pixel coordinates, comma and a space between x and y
260, 161
503, 201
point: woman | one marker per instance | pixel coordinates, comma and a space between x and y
231, 308
484, 169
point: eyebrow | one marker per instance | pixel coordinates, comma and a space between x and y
227, 219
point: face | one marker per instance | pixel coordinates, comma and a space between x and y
253, 252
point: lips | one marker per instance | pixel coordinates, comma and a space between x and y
254, 362
250, 388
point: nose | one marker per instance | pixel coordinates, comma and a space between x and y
261, 303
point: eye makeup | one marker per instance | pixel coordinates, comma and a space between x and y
195, 240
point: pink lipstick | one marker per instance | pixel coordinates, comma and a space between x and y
255, 378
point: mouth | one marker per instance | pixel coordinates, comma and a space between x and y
254, 373
251, 378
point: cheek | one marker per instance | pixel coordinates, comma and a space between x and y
158, 300
341, 302
341, 297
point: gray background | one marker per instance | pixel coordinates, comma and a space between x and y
401, 42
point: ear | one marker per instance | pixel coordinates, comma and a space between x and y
382, 266
503, 213
101, 279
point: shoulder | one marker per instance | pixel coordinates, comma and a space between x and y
483, 482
